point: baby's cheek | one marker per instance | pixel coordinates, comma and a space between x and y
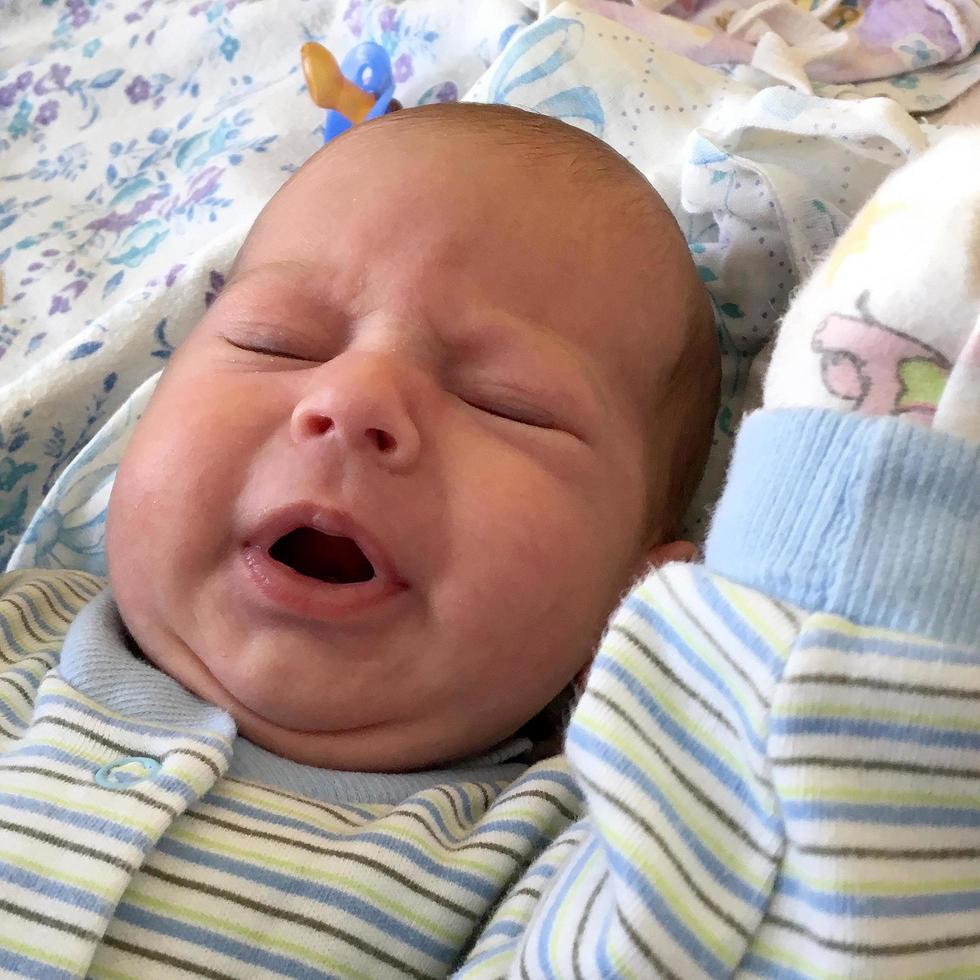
544, 590
158, 493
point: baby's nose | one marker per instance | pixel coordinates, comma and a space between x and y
362, 404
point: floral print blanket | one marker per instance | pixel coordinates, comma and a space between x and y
139, 139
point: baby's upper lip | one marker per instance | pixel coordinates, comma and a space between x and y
327, 520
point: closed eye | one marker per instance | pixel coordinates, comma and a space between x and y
513, 413
268, 351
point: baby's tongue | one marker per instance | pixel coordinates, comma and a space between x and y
327, 557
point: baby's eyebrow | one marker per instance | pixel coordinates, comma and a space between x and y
298, 287
492, 331
297, 272
505, 340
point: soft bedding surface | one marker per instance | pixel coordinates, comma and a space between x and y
139, 139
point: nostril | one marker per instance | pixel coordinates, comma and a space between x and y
320, 425
383, 440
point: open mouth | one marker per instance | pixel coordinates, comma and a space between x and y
326, 557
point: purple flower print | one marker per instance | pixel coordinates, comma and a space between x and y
138, 90
24, 80
402, 68
120, 220
47, 113
388, 20
217, 282
53, 79
203, 184
59, 304
79, 11
8, 96
354, 17
447, 92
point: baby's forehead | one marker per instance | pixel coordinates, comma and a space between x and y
477, 141
524, 203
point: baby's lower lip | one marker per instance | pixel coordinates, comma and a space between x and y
287, 590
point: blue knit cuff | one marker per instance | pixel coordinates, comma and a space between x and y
874, 519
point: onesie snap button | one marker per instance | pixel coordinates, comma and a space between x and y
126, 772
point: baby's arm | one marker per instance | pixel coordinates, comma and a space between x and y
781, 748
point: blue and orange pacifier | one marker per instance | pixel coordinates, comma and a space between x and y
359, 89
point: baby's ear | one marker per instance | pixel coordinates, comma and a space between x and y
662, 554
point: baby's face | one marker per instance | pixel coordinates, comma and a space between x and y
390, 488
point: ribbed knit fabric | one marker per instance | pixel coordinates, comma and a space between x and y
873, 519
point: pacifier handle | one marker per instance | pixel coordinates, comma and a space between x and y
328, 87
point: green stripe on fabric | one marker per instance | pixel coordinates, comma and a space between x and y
742, 687
623, 969
59, 875
26, 628
339, 881
910, 886
52, 613
269, 801
596, 725
681, 804
659, 967
802, 964
911, 718
571, 905
438, 854
110, 816
44, 955
222, 924
97, 972
749, 607
36, 666
737, 679
686, 907
16, 706
702, 798
353, 855
844, 627
953, 973
626, 652
830, 794
705, 836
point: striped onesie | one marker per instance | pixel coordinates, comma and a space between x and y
773, 771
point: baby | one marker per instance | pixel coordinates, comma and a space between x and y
454, 398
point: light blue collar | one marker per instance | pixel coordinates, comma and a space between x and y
96, 661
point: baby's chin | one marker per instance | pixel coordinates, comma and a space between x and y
381, 747
385, 745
